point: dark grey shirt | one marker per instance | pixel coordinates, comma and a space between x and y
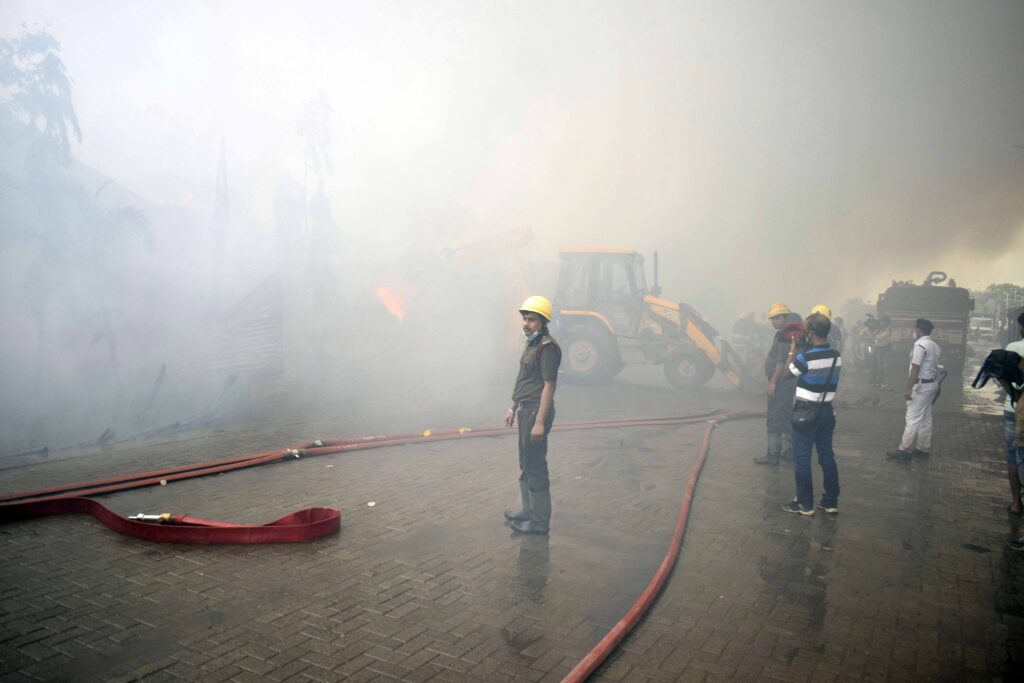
779, 349
538, 364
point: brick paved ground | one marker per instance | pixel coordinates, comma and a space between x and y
912, 581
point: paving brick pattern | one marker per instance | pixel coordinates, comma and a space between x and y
911, 582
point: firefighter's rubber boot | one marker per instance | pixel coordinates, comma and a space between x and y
524, 510
771, 456
787, 447
540, 514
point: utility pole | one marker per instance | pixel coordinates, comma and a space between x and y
219, 228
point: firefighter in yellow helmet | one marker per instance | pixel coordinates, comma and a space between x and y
835, 334
533, 404
781, 388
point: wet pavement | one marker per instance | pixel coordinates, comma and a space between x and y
912, 581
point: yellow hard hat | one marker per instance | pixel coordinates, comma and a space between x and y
539, 305
778, 308
823, 309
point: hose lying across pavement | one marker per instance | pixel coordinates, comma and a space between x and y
611, 640
304, 525
317, 522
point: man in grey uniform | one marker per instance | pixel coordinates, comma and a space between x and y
533, 403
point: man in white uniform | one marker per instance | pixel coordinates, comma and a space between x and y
920, 392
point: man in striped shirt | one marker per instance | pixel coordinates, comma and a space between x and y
817, 369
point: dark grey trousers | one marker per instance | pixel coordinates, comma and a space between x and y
533, 457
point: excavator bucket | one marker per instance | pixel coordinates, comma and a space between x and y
703, 335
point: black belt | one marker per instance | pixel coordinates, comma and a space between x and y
926, 381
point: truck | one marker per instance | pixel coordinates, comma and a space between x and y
606, 317
947, 306
982, 329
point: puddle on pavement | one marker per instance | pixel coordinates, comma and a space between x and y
976, 548
987, 400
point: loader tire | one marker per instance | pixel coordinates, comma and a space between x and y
688, 368
589, 356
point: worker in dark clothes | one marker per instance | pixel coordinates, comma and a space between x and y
781, 389
533, 401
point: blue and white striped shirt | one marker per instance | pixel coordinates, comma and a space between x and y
813, 367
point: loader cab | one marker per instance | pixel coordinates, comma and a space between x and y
606, 282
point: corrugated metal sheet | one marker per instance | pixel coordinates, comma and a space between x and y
248, 338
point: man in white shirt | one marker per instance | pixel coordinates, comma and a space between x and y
1009, 429
922, 383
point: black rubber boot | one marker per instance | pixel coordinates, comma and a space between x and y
524, 510
540, 514
771, 456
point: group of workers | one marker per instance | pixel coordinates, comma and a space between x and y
803, 367
803, 370
788, 389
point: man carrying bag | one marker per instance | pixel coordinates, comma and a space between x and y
814, 420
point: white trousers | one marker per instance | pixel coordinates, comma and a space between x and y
919, 417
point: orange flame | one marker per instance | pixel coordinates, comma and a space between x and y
393, 302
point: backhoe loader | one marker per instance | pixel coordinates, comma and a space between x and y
607, 318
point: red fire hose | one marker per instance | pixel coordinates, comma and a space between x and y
593, 659
304, 525
317, 522
143, 479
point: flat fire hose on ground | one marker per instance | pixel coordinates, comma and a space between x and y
304, 525
318, 522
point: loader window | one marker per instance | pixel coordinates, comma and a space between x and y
616, 284
618, 298
574, 283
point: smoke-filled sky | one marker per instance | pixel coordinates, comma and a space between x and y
805, 151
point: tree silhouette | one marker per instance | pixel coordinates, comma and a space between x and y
44, 205
315, 127
35, 88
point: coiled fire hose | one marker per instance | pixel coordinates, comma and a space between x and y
315, 523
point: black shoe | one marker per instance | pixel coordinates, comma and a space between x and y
899, 454
832, 509
918, 453
520, 516
529, 528
767, 460
1016, 545
797, 509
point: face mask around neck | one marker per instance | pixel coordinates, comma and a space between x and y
531, 336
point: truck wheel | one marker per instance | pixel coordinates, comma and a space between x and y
589, 356
688, 368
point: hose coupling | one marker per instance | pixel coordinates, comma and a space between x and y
154, 519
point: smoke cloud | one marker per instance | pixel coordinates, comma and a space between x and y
802, 151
